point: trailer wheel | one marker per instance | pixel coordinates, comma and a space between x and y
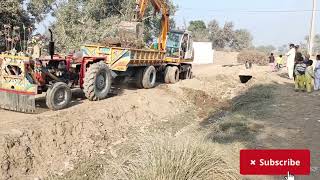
97, 81
139, 77
146, 78
174, 74
58, 96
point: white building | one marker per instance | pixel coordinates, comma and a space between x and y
203, 53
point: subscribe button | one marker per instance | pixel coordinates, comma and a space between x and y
274, 162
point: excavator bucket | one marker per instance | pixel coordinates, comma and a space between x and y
17, 90
130, 35
130, 29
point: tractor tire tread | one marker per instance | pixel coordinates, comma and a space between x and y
90, 78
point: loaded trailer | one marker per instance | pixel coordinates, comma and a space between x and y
102, 65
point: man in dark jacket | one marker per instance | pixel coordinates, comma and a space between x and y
272, 62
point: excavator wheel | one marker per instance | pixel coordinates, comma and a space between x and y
58, 96
187, 74
146, 77
191, 75
167, 74
174, 75
171, 75
97, 82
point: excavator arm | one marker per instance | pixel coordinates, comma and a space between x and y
162, 7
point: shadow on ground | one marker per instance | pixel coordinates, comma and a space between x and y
78, 96
239, 124
283, 75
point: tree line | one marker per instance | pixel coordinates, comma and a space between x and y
222, 37
90, 21
283, 49
227, 37
76, 21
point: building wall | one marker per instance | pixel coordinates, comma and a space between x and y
203, 53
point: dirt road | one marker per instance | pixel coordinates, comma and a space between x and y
70, 144
293, 122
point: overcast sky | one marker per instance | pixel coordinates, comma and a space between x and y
265, 19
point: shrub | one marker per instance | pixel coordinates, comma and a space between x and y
169, 158
252, 56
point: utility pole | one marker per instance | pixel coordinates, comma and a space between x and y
312, 28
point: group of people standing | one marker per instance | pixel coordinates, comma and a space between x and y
300, 69
276, 63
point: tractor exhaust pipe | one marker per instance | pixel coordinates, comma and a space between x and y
51, 45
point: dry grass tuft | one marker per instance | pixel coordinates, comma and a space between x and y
169, 158
235, 128
252, 56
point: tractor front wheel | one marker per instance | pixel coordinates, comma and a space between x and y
97, 82
58, 96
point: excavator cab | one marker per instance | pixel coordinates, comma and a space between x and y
179, 45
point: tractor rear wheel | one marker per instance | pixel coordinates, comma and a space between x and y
58, 96
146, 77
97, 82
